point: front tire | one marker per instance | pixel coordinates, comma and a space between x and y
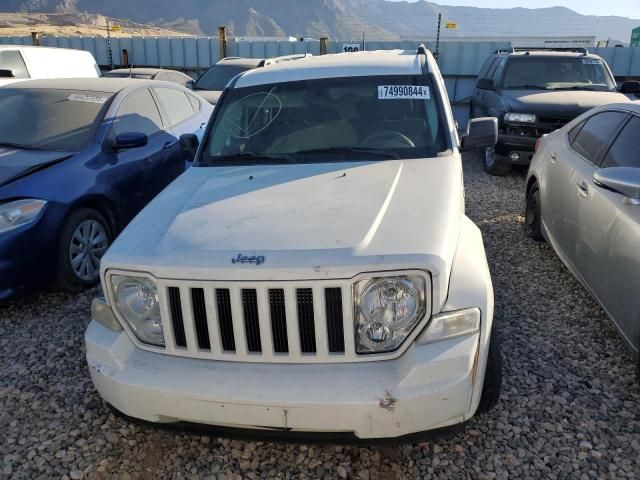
83, 241
494, 164
533, 214
492, 377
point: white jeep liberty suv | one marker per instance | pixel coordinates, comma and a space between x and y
314, 272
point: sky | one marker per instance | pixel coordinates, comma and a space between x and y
623, 8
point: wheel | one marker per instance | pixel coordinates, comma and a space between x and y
494, 164
84, 240
532, 218
492, 377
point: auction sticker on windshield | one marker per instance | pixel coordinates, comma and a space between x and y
76, 97
403, 92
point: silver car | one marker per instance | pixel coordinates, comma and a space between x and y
583, 197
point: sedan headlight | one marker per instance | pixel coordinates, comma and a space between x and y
386, 311
136, 300
520, 117
19, 212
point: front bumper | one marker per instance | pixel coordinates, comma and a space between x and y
429, 387
522, 145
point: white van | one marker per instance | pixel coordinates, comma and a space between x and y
20, 62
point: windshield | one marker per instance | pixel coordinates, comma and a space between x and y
217, 77
57, 120
337, 119
142, 76
557, 73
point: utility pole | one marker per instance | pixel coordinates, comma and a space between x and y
222, 36
109, 50
438, 37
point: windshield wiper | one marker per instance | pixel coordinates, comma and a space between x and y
18, 145
528, 87
251, 157
579, 87
356, 150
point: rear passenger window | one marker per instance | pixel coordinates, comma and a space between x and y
625, 151
596, 134
12, 60
137, 113
195, 103
175, 104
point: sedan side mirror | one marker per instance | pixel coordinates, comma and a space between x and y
622, 180
630, 86
486, 84
5, 73
481, 133
130, 140
189, 146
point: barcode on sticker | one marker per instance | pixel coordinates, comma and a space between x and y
76, 97
403, 92
590, 61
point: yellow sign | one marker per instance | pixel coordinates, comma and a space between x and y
451, 25
116, 28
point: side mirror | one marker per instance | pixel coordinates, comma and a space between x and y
130, 140
630, 86
622, 180
4, 73
189, 146
481, 133
190, 84
486, 84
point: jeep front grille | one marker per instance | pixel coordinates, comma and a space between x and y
305, 322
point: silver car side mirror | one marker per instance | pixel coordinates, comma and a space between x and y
623, 180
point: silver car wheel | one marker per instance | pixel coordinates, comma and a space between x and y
89, 242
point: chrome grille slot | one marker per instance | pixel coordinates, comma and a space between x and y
225, 320
306, 325
251, 320
200, 318
175, 304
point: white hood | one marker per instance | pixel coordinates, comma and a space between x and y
307, 221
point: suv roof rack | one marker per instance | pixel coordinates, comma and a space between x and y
581, 50
284, 58
422, 50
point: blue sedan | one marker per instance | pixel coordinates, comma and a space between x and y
79, 159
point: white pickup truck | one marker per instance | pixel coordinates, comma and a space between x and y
314, 272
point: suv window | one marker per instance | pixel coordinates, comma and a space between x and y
137, 113
175, 104
485, 67
327, 120
493, 67
557, 73
12, 60
596, 134
217, 77
497, 73
624, 151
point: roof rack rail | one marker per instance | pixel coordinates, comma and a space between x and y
284, 58
581, 50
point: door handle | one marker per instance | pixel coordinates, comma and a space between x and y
554, 157
203, 124
168, 145
583, 189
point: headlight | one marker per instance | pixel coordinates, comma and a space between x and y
137, 302
451, 324
520, 117
19, 212
386, 311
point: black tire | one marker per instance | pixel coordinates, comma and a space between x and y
533, 214
73, 279
495, 164
492, 377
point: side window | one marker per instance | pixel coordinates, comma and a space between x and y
497, 73
596, 134
625, 148
574, 132
492, 68
163, 77
195, 103
485, 67
137, 113
175, 104
179, 79
12, 60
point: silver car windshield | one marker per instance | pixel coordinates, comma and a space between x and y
43, 119
557, 73
351, 118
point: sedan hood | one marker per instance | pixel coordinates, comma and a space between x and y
560, 103
211, 96
306, 221
16, 162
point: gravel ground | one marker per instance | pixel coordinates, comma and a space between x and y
570, 405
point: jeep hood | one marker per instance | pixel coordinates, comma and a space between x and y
560, 103
307, 221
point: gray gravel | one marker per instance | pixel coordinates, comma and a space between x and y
570, 405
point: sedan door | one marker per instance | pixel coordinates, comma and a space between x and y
608, 243
135, 179
572, 162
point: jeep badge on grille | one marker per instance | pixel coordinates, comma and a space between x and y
253, 260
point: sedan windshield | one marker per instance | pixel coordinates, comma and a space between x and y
336, 119
217, 77
557, 73
43, 119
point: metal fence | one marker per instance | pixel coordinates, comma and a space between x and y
459, 61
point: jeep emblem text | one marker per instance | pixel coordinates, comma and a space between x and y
245, 259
